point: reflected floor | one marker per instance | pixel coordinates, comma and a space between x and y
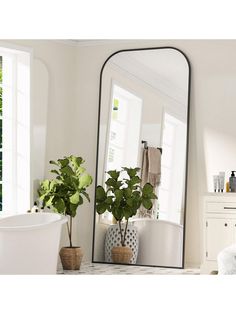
108, 269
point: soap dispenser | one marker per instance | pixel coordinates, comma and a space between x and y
232, 182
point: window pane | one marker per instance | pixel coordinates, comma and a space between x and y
0, 100
0, 69
1, 133
0, 197
0, 166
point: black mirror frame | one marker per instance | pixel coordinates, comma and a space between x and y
187, 152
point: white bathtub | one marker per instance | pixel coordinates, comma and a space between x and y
160, 242
29, 243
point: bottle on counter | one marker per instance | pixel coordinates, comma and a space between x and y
232, 182
227, 187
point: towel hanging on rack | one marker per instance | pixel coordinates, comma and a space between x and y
146, 146
151, 166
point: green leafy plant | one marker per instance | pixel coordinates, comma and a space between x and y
124, 197
65, 193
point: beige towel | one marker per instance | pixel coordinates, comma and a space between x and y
144, 168
151, 166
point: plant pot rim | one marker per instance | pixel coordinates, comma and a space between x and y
71, 247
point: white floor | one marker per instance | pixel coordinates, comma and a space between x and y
109, 269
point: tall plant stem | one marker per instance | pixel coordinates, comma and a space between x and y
126, 229
121, 236
69, 229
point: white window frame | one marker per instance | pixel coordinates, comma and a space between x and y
180, 211
14, 53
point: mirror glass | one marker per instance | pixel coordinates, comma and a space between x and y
143, 122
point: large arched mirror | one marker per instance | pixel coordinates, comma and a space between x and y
143, 123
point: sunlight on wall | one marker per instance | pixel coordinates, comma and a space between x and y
220, 154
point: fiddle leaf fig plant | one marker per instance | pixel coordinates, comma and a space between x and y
123, 197
67, 191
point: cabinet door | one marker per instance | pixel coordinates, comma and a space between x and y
219, 234
234, 229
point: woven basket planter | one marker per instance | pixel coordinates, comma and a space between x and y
121, 254
71, 257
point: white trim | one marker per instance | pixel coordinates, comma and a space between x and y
31, 114
66, 42
100, 42
6, 45
14, 130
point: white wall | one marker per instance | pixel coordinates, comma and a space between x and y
212, 116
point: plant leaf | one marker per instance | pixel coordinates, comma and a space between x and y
111, 182
86, 195
101, 208
67, 170
53, 162
45, 185
85, 180
55, 171
147, 203
63, 162
76, 161
100, 194
59, 204
131, 171
73, 209
118, 195
49, 202
75, 198
147, 189
109, 200
114, 174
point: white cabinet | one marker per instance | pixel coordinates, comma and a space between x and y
219, 227
218, 235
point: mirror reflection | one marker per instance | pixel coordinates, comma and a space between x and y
143, 127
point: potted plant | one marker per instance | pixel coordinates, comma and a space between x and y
122, 197
64, 194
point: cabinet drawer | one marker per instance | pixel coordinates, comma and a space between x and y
221, 207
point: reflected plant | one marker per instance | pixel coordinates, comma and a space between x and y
123, 197
65, 193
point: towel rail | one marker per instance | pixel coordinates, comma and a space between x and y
146, 145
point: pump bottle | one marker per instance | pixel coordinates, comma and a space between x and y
232, 182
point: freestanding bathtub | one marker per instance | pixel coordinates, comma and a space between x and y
29, 243
160, 242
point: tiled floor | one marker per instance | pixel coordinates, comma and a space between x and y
109, 269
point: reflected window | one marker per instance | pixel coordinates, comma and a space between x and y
0, 133
124, 132
173, 163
